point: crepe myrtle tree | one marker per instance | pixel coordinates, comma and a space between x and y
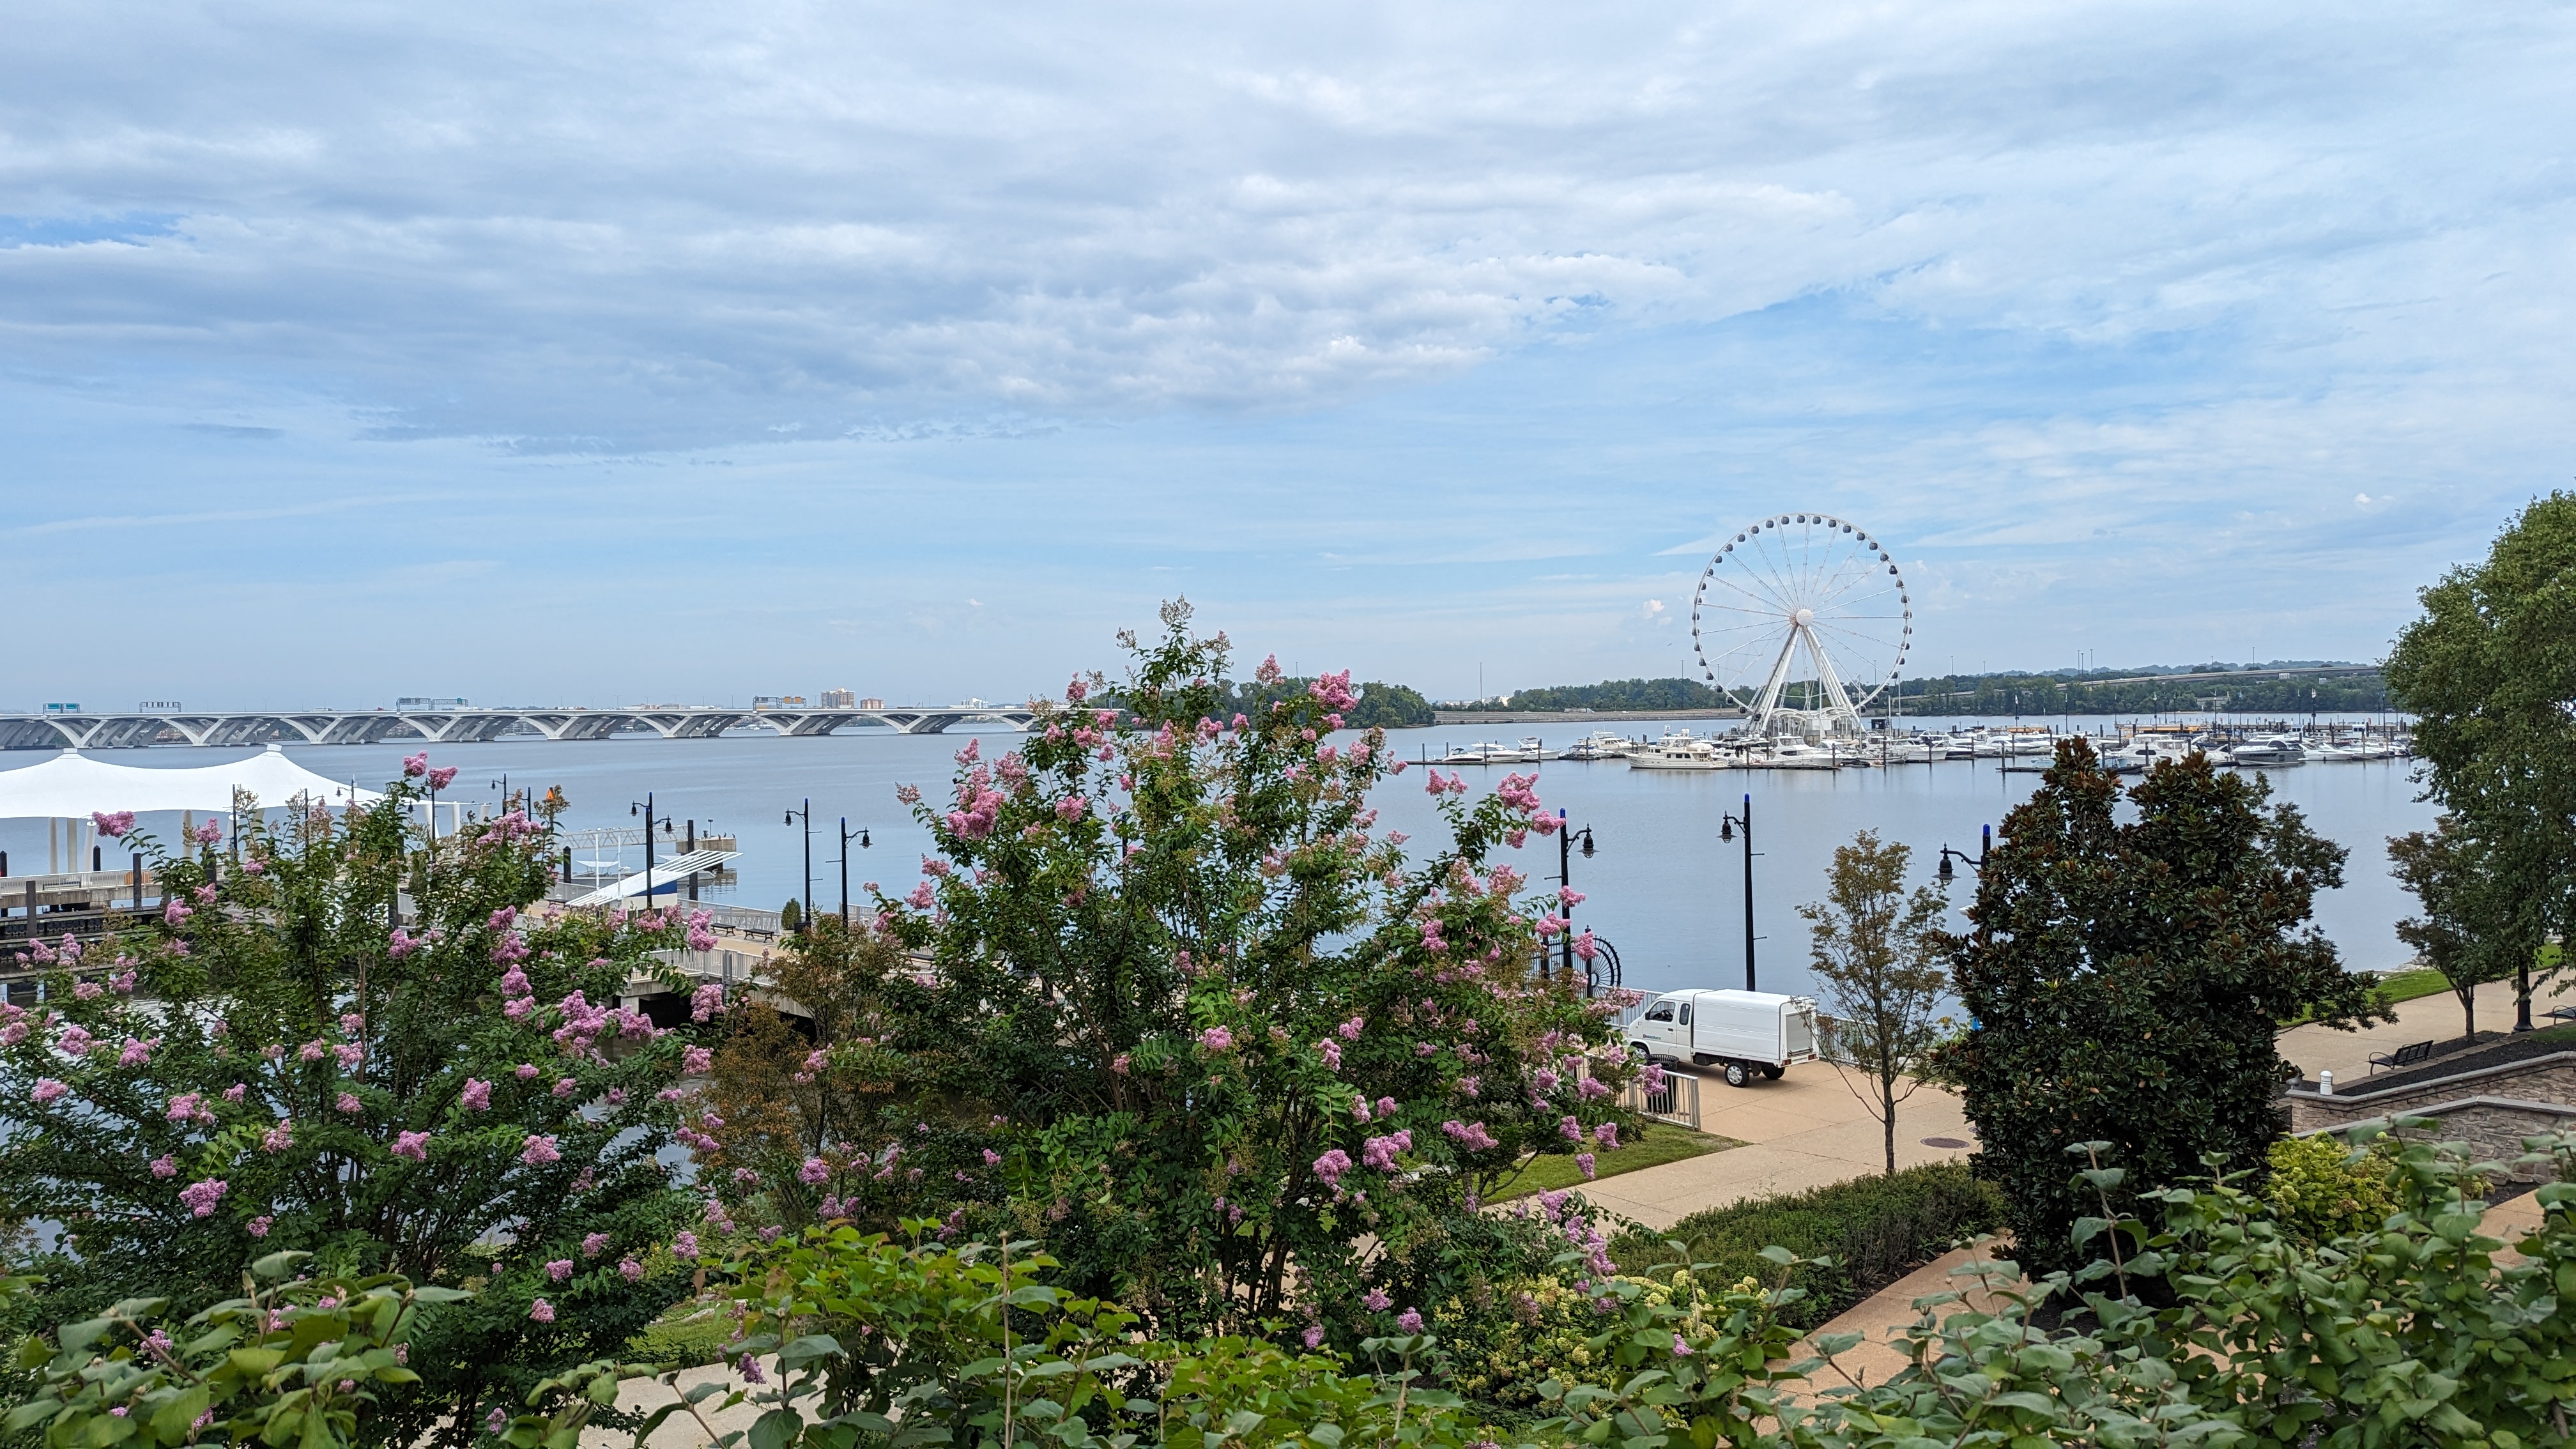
1188, 1019
272, 1064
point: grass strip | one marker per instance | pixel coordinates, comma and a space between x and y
1661, 1143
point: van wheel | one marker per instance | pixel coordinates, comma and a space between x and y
1774, 1073
1738, 1074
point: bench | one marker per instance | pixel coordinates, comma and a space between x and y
2411, 1054
2561, 1013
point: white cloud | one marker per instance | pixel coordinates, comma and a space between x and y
645, 227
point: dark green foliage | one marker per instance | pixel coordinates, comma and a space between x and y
791, 916
2123, 981
2450, 872
1875, 1229
2489, 671
1617, 694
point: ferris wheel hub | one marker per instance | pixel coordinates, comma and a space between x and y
1806, 616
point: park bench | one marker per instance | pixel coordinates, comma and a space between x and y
2411, 1054
2561, 1013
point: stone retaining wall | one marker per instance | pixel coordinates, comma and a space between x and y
2491, 1108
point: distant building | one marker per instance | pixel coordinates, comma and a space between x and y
872, 702
839, 699
778, 701
415, 701
154, 706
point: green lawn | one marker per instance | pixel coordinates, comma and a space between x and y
1661, 1143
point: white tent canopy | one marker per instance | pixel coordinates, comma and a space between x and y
71, 785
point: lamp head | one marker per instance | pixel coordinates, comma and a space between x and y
788, 819
1946, 872
1726, 827
633, 810
863, 837
1587, 843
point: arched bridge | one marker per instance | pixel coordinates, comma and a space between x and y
51, 731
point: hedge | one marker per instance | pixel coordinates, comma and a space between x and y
1876, 1229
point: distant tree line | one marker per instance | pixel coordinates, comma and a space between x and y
1614, 694
2071, 692
2051, 692
1381, 705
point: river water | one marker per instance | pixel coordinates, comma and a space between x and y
1662, 886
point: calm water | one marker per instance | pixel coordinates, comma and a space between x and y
1662, 887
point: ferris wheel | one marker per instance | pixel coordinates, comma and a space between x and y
1802, 586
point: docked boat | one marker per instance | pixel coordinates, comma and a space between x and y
2269, 752
1798, 755
1493, 752
1680, 750
1601, 745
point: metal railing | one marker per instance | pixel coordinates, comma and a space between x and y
1677, 1101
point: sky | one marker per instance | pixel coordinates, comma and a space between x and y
601, 354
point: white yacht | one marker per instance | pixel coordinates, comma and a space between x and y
1680, 750
2269, 752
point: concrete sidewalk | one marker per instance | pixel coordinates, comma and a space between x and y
1803, 1131
2427, 1018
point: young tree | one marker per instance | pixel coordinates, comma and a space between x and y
2465, 933
1188, 1019
272, 1065
2125, 981
2489, 672
1879, 953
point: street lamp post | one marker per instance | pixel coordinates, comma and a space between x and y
846, 837
646, 809
1727, 825
1977, 862
806, 813
1565, 834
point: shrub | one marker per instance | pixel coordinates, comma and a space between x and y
1873, 1229
2322, 1190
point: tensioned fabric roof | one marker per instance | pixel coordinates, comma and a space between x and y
73, 785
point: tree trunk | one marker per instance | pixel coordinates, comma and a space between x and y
2468, 1011
1887, 1101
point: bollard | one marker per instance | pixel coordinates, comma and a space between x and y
2325, 1082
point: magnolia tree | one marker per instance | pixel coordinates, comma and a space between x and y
276, 1064
1181, 1012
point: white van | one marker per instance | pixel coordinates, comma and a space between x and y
1741, 1031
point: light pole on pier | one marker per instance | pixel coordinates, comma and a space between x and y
1727, 825
646, 810
846, 837
806, 813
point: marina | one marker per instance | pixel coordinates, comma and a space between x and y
1663, 888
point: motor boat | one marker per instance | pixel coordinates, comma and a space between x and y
1680, 751
1600, 745
2269, 752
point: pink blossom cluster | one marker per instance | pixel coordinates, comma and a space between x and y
700, 937
706, 1001
1331, 1166
539, 1150
1217, 1039
1380, 1152
114, 823
280, 1137
201, 1196
412, 1145
1472, 1137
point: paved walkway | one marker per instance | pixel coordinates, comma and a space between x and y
1885, 1315
1803, 1131
2427, 1018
